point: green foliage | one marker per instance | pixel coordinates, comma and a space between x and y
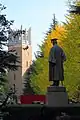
39, 79
7, 59
27, 87
3, 82
69, 39
75, 8
71, 45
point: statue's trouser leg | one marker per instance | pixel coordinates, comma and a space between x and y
56, 83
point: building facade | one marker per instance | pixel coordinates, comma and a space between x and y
20, 44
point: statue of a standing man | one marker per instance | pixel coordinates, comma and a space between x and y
56, 60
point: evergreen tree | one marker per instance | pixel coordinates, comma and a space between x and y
27, 87
7, 59
75, 8
38, 70
69, 39
39, 80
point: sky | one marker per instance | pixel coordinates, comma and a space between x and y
36, 14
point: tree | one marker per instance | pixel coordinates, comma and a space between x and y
75, 9
7, 59
71, 45
39, 80
27, 87
37, 68
69, 39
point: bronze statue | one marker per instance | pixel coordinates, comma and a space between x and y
56, 60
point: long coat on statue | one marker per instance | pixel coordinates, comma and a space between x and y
56, 59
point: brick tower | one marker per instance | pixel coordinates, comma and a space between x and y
21, 46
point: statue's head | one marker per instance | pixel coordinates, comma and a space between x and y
54, 41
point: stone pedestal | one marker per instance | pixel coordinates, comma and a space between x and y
56, 96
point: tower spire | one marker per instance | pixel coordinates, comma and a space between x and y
29, 36
21, 27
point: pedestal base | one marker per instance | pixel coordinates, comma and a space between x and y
56, 96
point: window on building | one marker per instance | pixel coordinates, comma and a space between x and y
30, 62
14, 76
28, 53
26, 63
